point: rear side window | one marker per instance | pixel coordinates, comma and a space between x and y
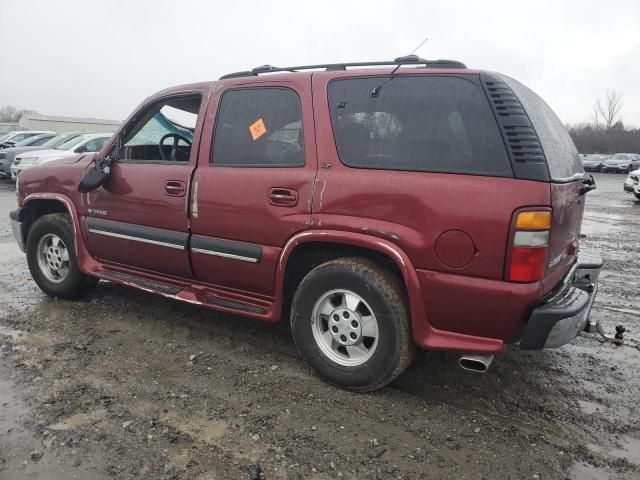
259, 127
562, 156
426, 123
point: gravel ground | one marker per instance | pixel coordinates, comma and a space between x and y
128, 385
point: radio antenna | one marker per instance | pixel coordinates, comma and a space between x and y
419, 45
375, 91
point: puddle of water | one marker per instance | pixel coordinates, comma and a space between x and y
589, 407
584, 471
16, 443
201, 429
20, 336
596, 227
79, 420
628, 448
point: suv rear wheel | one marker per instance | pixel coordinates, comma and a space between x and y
349, 322
52, 259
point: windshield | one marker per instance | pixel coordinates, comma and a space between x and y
592, 157
69, 144
58, 140
4, 137
25, 142
621, 156
160, 125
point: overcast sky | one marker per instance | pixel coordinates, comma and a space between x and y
100, 58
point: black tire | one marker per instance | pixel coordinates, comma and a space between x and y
75, 283
384, 293
637, 195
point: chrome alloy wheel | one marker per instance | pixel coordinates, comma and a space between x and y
345, 327
53, 258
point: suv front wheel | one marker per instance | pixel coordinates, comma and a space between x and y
350, 323
52, 259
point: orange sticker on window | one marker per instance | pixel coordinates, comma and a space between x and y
257, 129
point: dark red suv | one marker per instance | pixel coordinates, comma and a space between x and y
414, 203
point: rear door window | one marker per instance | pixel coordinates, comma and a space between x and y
259, 127
425, 123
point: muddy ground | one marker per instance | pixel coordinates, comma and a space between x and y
128, 385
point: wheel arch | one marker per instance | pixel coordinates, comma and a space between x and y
308, 249
39, 204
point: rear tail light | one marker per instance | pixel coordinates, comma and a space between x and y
529, 247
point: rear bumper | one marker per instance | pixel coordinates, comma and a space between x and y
564, 313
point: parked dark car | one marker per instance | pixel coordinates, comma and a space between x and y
593, 162
621, 163
39, 142
384, 208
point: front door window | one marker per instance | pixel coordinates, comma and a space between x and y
164, 132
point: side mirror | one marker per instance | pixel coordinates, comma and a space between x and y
81, 149
96, 176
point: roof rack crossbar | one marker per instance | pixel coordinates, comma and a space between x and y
409, 60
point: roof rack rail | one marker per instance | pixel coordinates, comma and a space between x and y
407, 60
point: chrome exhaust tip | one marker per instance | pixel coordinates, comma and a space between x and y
475, 363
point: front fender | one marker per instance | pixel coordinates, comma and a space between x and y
86, 262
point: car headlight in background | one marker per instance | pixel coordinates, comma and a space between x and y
25, 160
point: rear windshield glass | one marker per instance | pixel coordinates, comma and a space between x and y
562, 156
426, 123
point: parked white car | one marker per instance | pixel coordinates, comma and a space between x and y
86, 143
621, 163
632, 183
9, 139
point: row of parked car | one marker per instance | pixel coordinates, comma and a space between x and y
618, 163
24, 149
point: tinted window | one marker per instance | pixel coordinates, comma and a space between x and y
260, 127
437, 124
561, 153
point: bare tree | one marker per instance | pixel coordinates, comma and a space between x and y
607, 115
11, 114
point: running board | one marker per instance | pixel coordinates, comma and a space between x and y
197, 294
139, 282
225, 303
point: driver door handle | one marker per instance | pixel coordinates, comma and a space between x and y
175, 188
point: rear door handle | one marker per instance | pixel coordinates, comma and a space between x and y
283, 197
175, 188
